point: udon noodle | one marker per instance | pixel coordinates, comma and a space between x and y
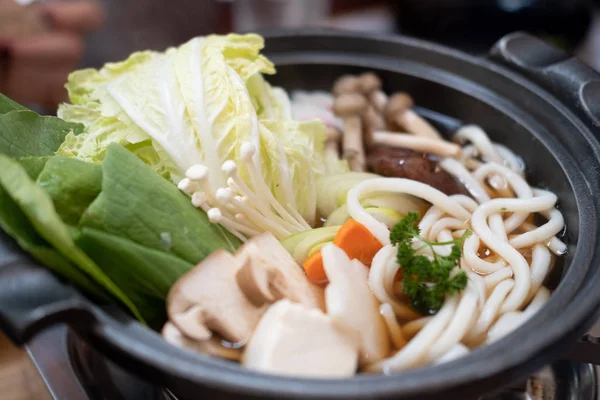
505, 287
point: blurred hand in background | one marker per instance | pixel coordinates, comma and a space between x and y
40, 44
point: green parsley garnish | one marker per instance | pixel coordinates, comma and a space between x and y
426, 281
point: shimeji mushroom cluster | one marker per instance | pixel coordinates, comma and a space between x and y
371, 118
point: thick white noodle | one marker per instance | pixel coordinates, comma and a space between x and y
457, 351
542, 234
410, 329
458, 326
415, 351
554, 244
484, 148
511, 160
512, 320
480, 140
431, 216
474, 262
478, 284
516, 182
444, 236
468, 203
540, 265
469, 152
476, 189
473, 186
515, 260
495, 278
394, 328
397, 185
382, 289
444, 224
490, 309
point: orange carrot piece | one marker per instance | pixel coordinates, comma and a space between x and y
314, 269
357, 241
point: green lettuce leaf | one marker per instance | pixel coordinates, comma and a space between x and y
138, 204
26, 134
15, 223
7, 105
37, 208
72, 185
146, 275
33, 165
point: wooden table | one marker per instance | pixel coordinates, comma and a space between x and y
19, 380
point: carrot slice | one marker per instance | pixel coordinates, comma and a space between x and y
314, 269
355, 239
358, 242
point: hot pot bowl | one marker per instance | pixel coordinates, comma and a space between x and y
538, 101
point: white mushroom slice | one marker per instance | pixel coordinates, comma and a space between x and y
189, 322
212, 347
212, 288
293, 283
352, 306
293, 340
261, 282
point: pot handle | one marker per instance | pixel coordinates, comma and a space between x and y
586, 350
575, 83
559, 72
32, 298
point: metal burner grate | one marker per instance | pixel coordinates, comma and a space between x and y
564, 380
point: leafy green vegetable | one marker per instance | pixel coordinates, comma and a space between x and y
44, 197
7, 105
302, 245
427, 281
37, 207
270, 103
200, 103
14, 222
146, 275
33, 165
333, 189
190, 101
137, 204
26, 134
72, 185
298, 165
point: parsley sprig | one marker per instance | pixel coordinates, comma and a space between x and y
427, 281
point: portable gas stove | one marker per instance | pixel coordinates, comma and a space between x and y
74, 371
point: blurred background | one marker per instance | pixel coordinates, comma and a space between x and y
41, 41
